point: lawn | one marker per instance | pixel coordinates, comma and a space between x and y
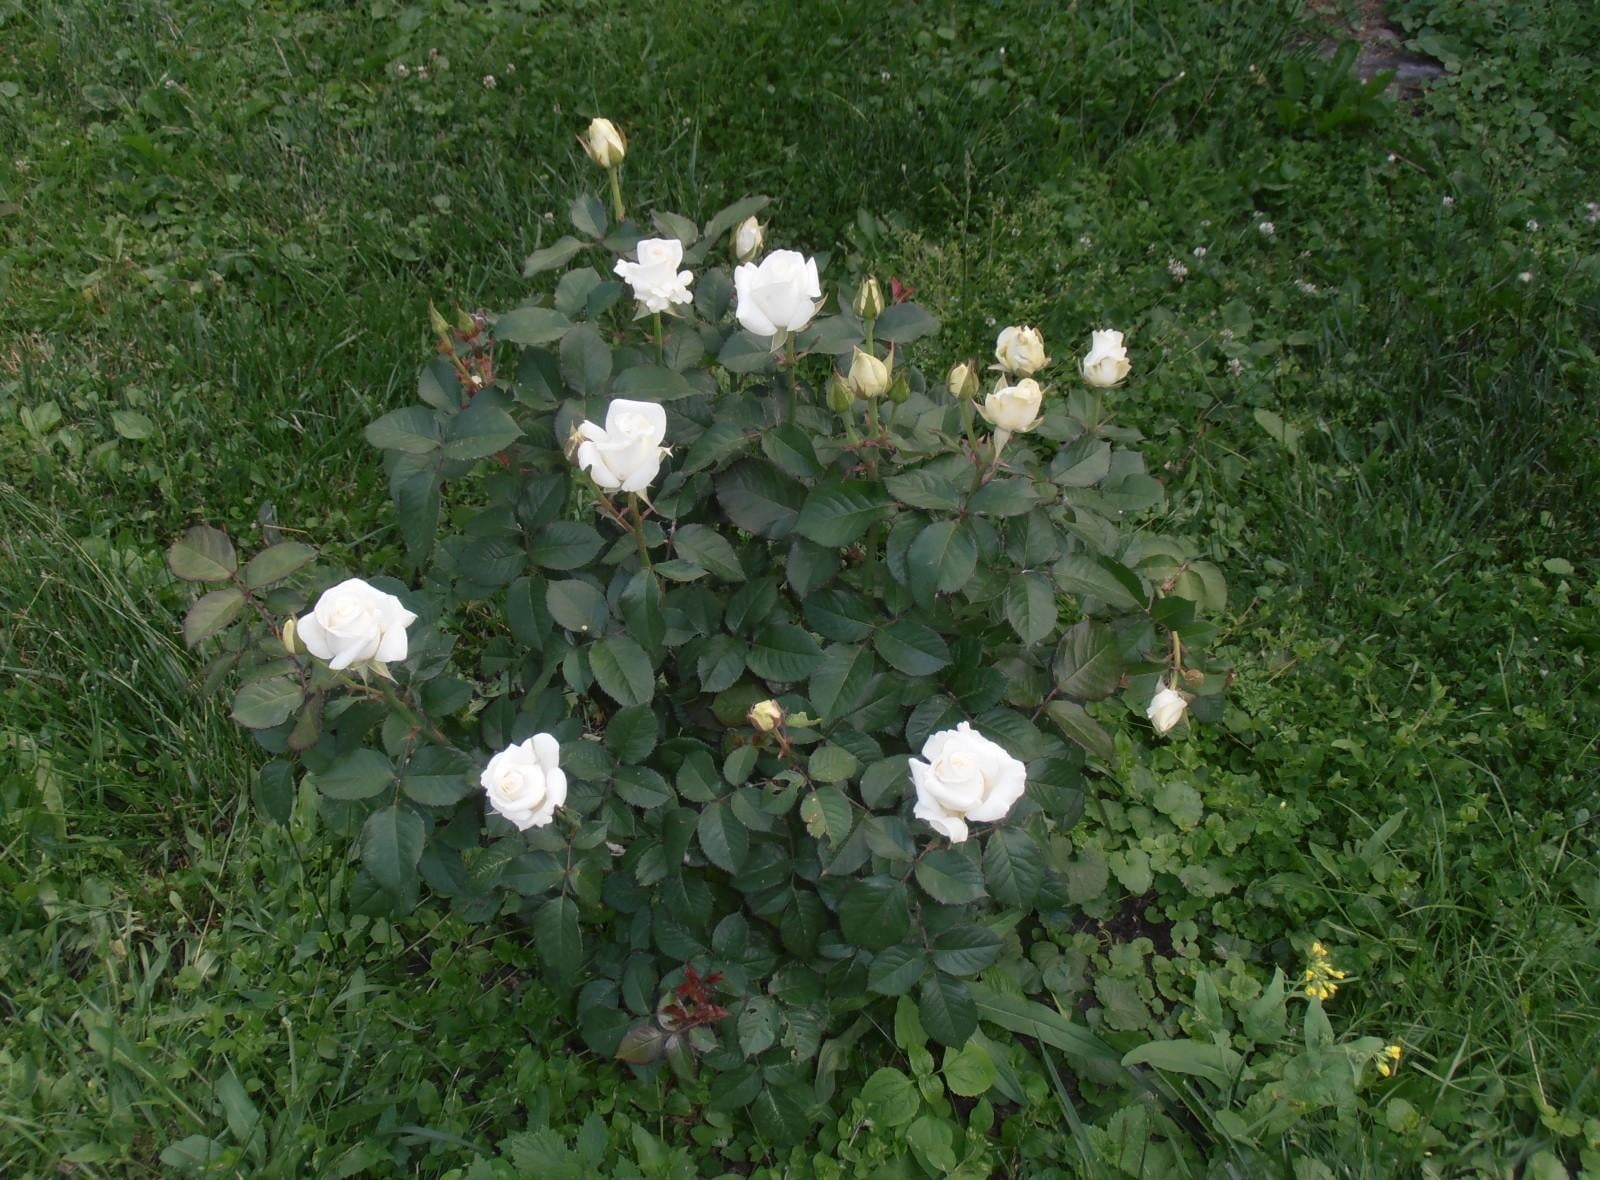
1363, 324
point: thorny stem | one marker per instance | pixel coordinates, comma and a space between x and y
637, 529
792, 358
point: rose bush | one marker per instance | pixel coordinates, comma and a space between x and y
733, 645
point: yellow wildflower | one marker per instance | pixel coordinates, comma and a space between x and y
1321, 976
1388, 1060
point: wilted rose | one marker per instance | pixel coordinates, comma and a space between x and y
525, 782
657, 282
1107, 361
355, 625
1167, 708
625, 454
779, 295
964, 776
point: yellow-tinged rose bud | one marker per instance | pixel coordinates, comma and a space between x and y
288, 635
840, 396
436, 321
604, 143
869, 376
766, 715
747, 238
963, 380
868, 303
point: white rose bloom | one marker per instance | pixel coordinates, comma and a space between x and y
625, 454
604, 143
965, 777
1013, 408
1167, 708
1020, 351
1107, 361
868, 376
525, 782
778, 296
355, 625
657, 282
748, 236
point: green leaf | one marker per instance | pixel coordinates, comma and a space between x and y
949, 877
709, 550
1003, 497
631, 733
675, 225
1092, 577
965, 950
641, 604
875, 913
437, 776
1013, 866
891, 1098
744, 353
585, 361
558, 253
1267, 1019
565, 545
532, 325
897, 969
1030, 606
719, 440
641, 787
831, 764
926, 487
912, 648
969, 1071
274, 790
941, 559
557, 936
904, 322
276, 563
720, 663
1076, 723
724, 840
578, 607
837, 514
411, 430
482, 429
588, 216
391, 845
779, 1117
827, 811
947, 1009
261, 704
132, 425
202, 554
727, 218
1217, 1064
757, 1025
622, 669
839, 681
783, 653
211, 613
1088, 663
790, 448
885, 780
1032, 1019
1083, 464
759, 498
359, 774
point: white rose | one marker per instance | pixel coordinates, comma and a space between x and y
747, 238
604, 143
525, 782
869, 376
1020, 351
1107, 362
766, 715
657, 282
965, 777
625, 454
778, 296
355, 625
1167, 708
1014, 408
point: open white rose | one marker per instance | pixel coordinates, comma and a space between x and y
1167, 708
355, 625
1107, 361
625, 454
525, 782
778, 296
748, 236
657, 282
1013, 409
604, 143
964, 777
1020, 351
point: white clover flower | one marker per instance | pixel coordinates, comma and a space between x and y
1593, 211
1199, 251
1526, 276
1085, 241
488, 82
1177, 270
1235, 367
1533, 226
1267, 229
402, 70
1447, 201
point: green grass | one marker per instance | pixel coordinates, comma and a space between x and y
243, 257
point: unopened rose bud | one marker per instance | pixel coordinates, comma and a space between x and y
604, 143
900, 391
465, 324
840, 396
868, 303
963, 380
747, 238
436, 321
288, 635
766, 716
869, 376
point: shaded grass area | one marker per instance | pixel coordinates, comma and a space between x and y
227, 220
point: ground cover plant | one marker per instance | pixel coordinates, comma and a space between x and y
1365, 383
